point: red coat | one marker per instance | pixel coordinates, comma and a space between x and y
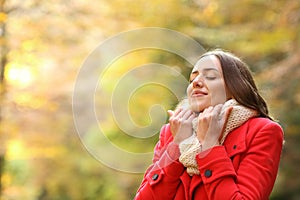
245, 167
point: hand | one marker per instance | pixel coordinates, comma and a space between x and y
181, 124
211, 123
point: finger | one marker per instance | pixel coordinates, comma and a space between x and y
217, 109
177, 112
207, 110
170, 113
208, 114
181, 114
192, 116
186, 114
174, 114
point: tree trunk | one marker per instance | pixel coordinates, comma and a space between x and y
3, 61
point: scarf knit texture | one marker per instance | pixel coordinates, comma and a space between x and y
191, 146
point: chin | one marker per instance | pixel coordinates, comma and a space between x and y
197, 107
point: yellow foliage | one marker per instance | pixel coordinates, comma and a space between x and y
30, 45
34, 102
6, 179
3, 17
18, 75
18, 150
15, 149
47, 42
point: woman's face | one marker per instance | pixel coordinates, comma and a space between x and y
207, 86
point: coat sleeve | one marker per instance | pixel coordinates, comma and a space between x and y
257, 170
163, 177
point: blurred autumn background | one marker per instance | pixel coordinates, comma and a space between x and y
43, 44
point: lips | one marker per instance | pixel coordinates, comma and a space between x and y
198, 93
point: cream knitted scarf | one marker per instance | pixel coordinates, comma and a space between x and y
191, 146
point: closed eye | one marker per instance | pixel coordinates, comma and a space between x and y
210, 77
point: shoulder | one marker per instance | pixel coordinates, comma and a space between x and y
256, 128
264, 128
260, 123
255, 132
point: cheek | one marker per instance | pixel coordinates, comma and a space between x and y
189, 89
218, 93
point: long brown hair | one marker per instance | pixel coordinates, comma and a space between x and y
240, 82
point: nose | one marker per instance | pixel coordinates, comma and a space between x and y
198, 82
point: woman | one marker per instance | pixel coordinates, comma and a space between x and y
221, 144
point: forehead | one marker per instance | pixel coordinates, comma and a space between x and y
208, 62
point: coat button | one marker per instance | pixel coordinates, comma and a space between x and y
155, 177
234, 146
207, 173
